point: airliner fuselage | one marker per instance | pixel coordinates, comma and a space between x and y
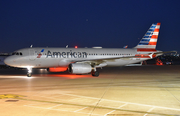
57, 57
86, 60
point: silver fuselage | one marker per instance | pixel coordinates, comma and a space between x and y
62, 57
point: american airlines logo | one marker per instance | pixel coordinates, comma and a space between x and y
40, 53
69, 54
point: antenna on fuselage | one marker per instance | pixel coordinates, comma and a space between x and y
31, 46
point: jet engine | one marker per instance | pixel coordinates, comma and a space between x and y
79, 68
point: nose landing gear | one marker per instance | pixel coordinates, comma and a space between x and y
29, 74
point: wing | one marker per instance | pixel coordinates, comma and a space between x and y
102, 61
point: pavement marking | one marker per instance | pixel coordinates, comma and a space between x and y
123, 105
107, 88
91, 106
109, 112
116, 102
5, 96
74, 99
149, 110
80, 109
64, 110
115, 110
119, 102
123, 102
19, 97
54, 106
36, 104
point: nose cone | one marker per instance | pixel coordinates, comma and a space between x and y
8, 61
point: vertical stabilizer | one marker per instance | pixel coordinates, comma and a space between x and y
150, 38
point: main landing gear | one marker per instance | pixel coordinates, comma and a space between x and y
29, 74
94, 73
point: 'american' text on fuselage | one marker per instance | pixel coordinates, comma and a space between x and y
66, 54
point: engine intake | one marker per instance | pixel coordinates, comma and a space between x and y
79, 68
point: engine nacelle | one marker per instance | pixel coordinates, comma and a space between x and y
79, 68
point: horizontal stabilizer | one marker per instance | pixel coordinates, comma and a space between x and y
161, 53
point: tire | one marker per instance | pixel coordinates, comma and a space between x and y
95, 74
29, 75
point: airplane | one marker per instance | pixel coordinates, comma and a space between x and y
86, 60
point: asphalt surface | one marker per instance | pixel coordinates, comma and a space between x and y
137, 91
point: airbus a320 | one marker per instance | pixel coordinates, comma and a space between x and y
86, 60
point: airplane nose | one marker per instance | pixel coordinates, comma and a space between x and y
8, 61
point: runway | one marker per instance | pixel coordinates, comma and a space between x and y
129, 91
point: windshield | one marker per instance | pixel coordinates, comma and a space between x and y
17, 53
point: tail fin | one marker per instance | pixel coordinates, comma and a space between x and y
150, 38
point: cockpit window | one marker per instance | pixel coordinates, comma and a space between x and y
17, 53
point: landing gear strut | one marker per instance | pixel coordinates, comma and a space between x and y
29, 74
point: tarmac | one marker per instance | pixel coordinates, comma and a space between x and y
118, 91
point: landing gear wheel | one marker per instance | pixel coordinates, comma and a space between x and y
95, 74
29, 75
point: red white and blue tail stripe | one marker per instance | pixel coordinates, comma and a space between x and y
149, 40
